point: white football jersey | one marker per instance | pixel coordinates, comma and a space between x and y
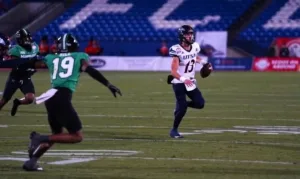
187, 60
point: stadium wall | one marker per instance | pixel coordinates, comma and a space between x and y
163, 64
155, 63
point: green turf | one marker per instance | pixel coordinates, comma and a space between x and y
140, 121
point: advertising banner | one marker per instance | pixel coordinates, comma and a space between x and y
231, 64
275, 64
293, 45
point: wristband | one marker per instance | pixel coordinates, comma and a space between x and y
182, 79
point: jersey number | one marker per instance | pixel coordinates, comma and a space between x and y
189, 66
67, 64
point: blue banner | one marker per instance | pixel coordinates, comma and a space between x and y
231, 64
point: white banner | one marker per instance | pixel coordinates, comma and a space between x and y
213, 43
116, 63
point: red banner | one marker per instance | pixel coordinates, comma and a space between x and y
276, 64
293, 44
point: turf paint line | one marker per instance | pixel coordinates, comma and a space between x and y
215, 92
164, 117
173, 103
13, 159
72, 161
253, 128
79, 160
178, 140
210, 160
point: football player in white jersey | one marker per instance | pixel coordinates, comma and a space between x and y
185, 56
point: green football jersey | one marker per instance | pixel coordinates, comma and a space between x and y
65, 68
19, 51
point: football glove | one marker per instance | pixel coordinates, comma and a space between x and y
114, 90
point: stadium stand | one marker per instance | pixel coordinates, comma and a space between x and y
149, 23
279, 19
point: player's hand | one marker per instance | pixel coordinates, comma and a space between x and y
189, 82
114, 90
210, 67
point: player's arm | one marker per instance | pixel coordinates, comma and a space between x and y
39, 64
99, 77
13, 54
174, 67
175, 74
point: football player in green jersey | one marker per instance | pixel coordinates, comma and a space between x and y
20, 76
65, 68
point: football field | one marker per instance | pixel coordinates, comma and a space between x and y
249, 129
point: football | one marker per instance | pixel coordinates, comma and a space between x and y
206, 70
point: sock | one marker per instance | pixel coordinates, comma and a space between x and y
42, 150
65, 138
178, 118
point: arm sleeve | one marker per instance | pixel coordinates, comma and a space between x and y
14, 52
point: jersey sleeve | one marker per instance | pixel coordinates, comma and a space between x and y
173, 52
197, 47
14, 52
84, 56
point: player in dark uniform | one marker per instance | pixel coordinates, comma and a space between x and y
4, 46
65, 68
20, 76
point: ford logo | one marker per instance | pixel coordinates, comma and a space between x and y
97, 63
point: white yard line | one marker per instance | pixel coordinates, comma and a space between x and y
173, 103
207, 160
226, 93
289, 128
165, 117
177, 140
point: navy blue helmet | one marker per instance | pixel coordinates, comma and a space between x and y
185, 30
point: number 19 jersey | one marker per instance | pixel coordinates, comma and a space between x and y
187, 60
65, 68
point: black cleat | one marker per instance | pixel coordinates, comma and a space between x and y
14, 109
31, 166
34, 144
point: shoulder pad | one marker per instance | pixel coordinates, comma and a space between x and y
175, 50
197, 47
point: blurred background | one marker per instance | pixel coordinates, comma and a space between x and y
234, 34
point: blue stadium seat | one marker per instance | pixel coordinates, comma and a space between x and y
280, 28
135, 25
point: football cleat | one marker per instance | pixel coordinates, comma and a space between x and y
31, 166
175, 134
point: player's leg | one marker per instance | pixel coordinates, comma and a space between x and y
11, 87
36, 149
41, 143
197, 100
65, 116
181, 107
27, 89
